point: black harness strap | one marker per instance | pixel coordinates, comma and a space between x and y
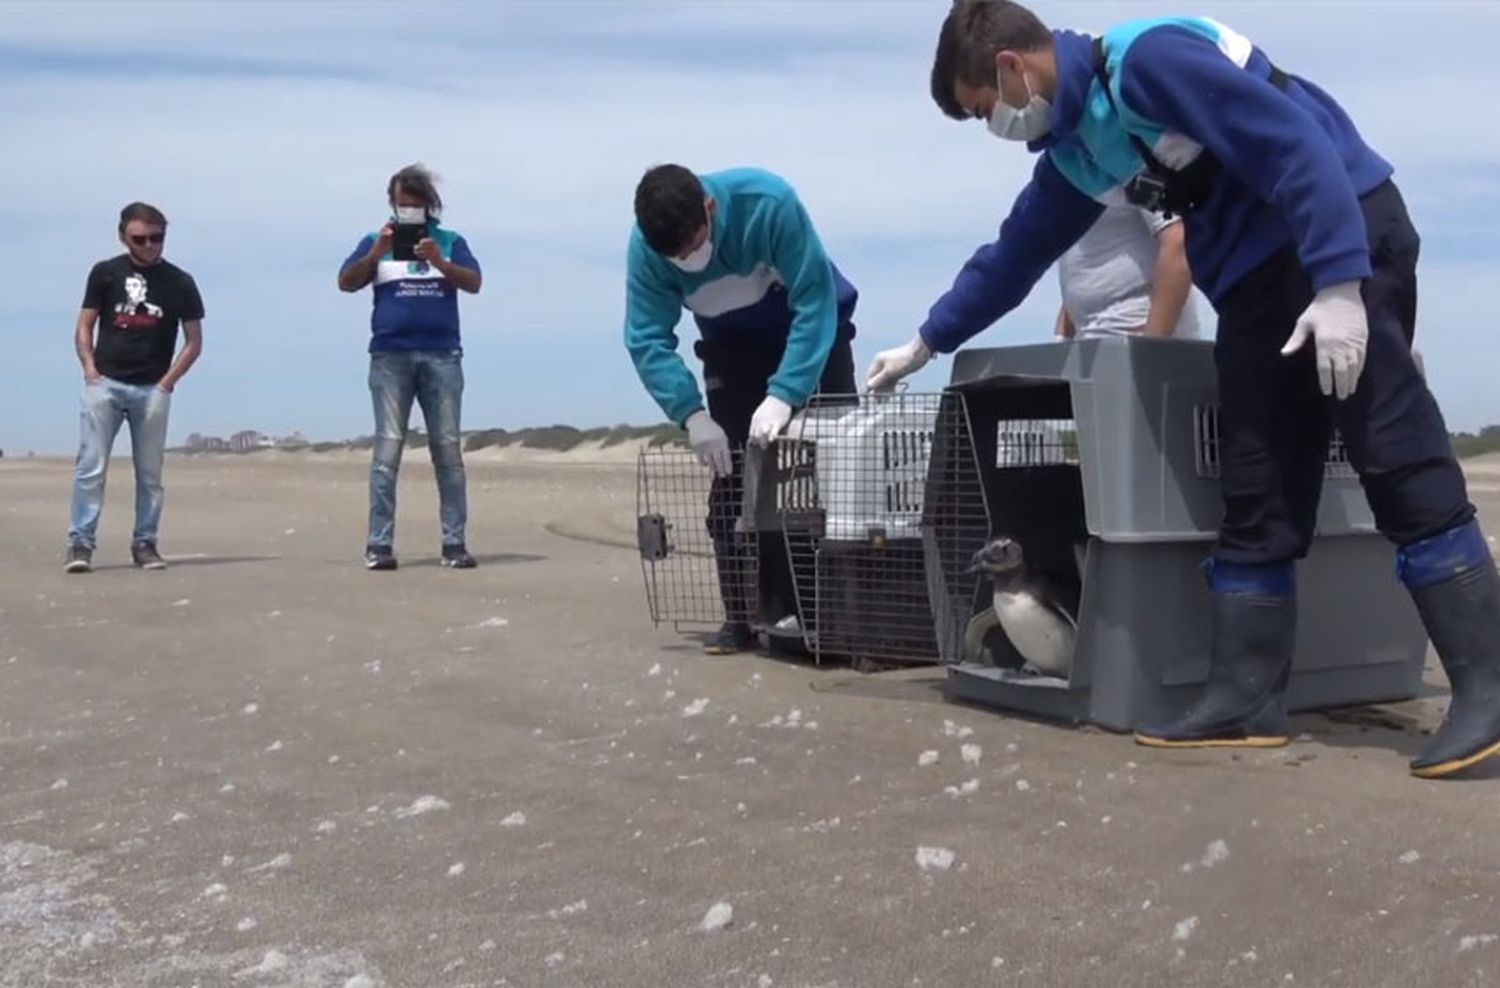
1169, 191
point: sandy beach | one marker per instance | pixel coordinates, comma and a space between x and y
267, 766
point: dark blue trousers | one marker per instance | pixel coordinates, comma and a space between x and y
1275, 424
735, 375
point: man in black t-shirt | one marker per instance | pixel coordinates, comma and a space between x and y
137, 300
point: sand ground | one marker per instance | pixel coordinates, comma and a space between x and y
266, 766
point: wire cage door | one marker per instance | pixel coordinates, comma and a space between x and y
852, 483
955, 524
699, 554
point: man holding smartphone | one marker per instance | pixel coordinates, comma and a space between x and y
136, 301
416, 267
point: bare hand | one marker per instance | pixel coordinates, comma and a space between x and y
428, 250
165, 387
92, 377
383, 242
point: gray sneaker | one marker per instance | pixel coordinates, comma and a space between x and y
80, 559
144, 555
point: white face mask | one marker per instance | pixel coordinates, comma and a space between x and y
1029, 123
411, 214
697, 260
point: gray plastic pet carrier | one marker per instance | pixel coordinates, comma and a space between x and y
846, 489
824, 540
1100, 459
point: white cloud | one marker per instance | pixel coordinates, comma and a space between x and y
267, 133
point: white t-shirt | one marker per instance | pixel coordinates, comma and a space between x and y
1106, 276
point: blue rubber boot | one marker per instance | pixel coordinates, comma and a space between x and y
1255, 629
1453, 582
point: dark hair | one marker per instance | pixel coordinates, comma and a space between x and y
669, 208
144, 212
972, 33
417, 181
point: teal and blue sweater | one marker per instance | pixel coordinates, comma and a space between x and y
1294, 167
769, 282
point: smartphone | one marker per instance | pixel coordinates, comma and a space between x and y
404, 242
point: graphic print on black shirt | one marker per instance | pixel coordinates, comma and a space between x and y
136, 312
139, 310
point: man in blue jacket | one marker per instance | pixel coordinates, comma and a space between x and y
738, 250
1301, 241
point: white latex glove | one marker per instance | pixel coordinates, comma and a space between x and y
891, 366
710, 443
768, 421
1339, 328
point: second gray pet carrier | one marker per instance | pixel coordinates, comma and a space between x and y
846, 490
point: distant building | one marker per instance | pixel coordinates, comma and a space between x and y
199, 443
294, 441
249, 439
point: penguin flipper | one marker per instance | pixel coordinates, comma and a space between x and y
1063, 613
1057, 601
980, 625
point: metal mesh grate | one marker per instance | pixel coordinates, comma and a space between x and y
681, 513
1206, 443
956, 524
1036, 443
796, 472
852, 480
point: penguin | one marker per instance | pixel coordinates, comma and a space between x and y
1031, 611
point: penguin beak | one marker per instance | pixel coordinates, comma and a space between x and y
994, 556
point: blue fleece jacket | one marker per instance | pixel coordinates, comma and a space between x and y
1294, 167
768, 281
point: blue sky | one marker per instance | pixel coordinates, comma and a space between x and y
267, 131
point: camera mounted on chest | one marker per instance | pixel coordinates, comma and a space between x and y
1159, 188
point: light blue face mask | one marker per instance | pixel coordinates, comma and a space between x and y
1029, 123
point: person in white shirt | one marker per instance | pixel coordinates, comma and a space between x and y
1127, 275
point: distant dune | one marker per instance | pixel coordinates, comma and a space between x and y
557, 443
623, 444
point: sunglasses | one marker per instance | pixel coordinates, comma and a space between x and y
150, 238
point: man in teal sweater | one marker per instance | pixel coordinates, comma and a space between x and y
738, 250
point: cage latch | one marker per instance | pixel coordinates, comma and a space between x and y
652, 535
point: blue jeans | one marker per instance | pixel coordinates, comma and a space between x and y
435, 378
105, 406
